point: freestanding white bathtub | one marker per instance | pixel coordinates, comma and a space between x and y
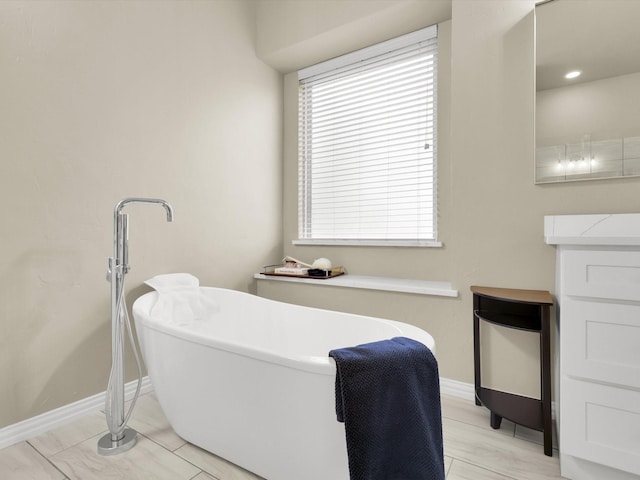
249, 379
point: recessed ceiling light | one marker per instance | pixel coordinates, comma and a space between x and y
574, 74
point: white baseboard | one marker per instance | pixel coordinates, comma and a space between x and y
44, 422
454, 388
39, 424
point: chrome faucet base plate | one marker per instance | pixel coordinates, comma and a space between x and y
106, 446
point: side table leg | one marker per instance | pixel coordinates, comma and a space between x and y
548, 451
496, 420
545, 378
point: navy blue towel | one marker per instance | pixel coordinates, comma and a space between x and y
388, 396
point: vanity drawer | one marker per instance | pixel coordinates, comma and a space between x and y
601, 341
601, 423
602, 274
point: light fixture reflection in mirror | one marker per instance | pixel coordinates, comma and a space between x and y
587, 127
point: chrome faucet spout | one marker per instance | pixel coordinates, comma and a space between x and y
169, 210
121, 222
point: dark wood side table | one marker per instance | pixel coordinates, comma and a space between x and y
524, 310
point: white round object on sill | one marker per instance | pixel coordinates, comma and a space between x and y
322, 263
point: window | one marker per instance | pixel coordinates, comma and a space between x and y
367, 145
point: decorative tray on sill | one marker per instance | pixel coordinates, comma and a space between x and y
316, 273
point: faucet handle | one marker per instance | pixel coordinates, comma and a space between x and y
109, 269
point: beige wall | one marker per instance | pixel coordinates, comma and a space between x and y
490, 211
103, 100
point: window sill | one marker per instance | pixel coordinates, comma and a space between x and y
388, 284
370, 243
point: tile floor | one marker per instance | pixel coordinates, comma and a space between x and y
473, 451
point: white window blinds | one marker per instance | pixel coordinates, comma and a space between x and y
367, 143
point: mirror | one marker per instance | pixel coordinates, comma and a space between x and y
587, 127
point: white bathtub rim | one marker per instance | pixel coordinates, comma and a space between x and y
316, 364
323, 365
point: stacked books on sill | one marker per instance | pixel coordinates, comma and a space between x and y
288, 269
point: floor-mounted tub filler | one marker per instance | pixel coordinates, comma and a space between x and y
120, 438
248, 378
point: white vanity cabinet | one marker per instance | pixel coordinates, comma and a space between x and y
598, 294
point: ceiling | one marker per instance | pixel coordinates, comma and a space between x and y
599, 37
